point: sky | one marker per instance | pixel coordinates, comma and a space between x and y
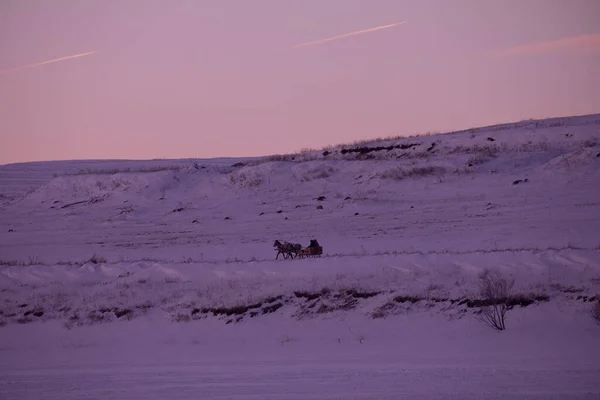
145, 79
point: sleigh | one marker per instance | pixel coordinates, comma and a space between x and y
310, 252
289, 250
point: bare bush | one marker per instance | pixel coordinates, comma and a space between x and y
495, 291
596, 311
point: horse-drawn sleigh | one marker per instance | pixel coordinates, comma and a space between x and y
291, 250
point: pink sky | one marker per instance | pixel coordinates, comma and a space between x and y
194, 78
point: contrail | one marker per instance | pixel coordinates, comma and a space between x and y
589, 42
345, 35
6, 71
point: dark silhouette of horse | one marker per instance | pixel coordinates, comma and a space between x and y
287, 249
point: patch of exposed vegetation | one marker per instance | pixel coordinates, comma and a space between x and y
510, 302
327, 301
407, 299
360, 294
404, 303
566, 289
367, 149
113, 171
400, 173
309, 295
36, 313
19, 263
97, 259
591, 299
123, 312
273, 299
243, 179
272, 308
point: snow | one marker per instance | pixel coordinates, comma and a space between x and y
157, 279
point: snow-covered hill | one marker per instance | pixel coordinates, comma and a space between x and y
168, 258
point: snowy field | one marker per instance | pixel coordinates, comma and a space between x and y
158, 279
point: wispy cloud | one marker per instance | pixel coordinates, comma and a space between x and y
6, 71
582, 43
345, 35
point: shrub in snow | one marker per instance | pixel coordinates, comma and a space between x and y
596, 311
495, 291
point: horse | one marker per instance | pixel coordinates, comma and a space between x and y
283, 248
287, 249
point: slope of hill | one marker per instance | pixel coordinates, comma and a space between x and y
178, 254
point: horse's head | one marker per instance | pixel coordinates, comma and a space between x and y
277, 243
